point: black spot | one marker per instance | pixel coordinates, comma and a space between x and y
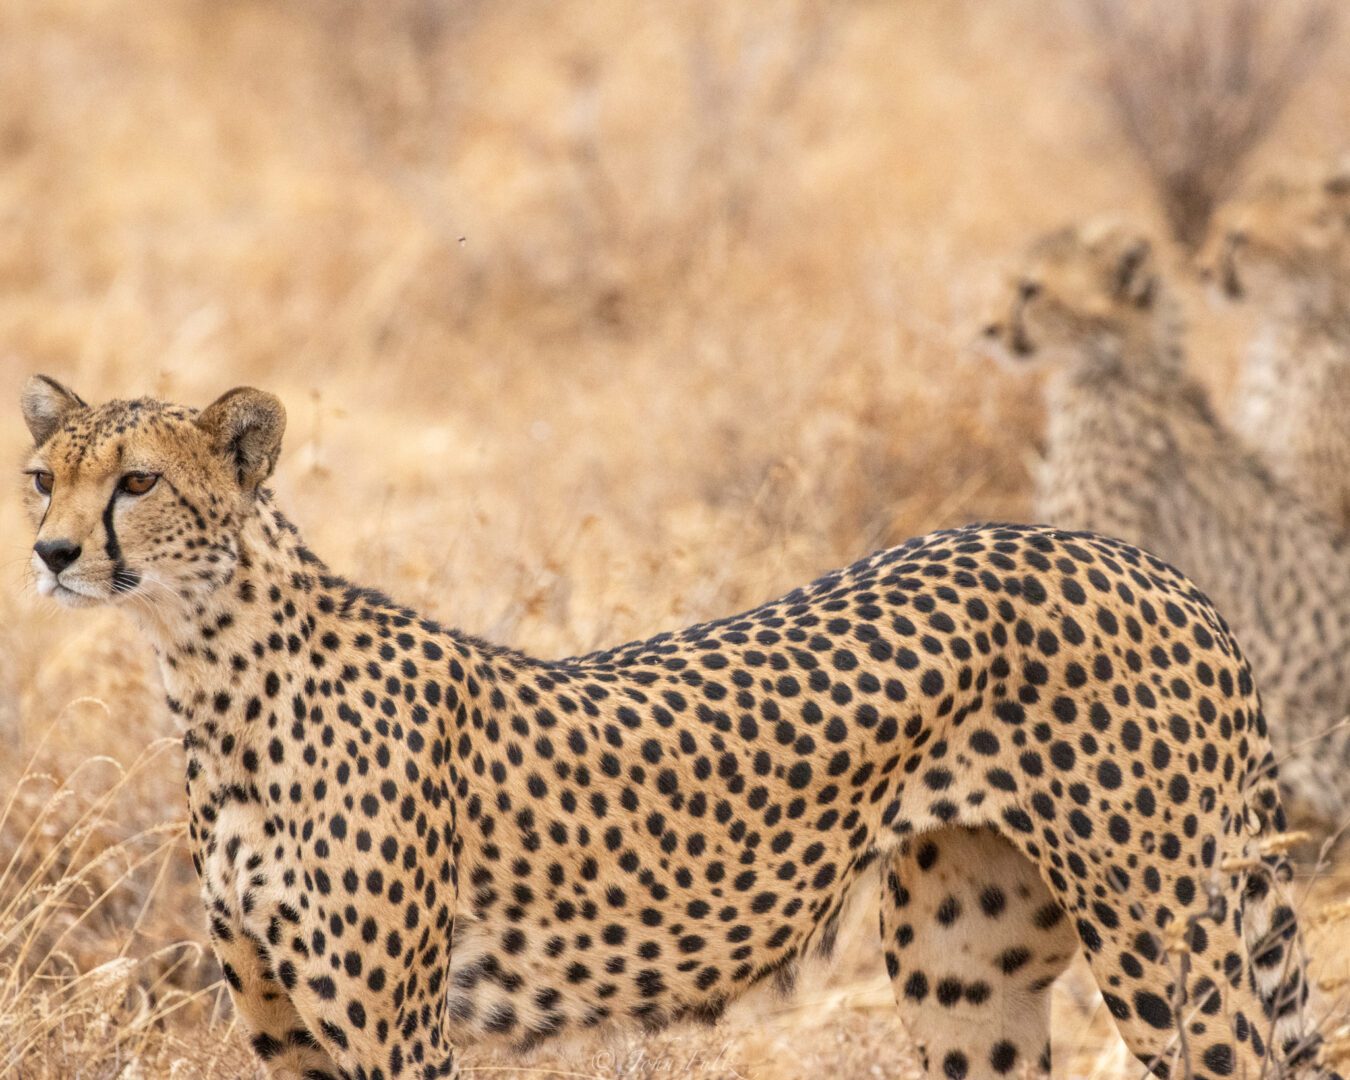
1219, 1059
1153, 1010
1002, 1057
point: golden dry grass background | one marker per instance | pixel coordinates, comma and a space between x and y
592, 318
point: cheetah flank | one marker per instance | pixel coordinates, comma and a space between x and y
1134, 450
409, 840
1288, 249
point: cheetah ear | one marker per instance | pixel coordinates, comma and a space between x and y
1133, 278
45, 402
245, 426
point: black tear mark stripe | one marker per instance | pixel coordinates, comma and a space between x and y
124, 579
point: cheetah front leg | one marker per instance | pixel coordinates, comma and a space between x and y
274, 1028
973, 941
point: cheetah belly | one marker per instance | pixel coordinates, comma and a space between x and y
523, 999
587, 958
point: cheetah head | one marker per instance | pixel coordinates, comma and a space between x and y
142, 500
1290, 238
1087, 290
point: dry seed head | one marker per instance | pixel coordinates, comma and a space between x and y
1282, 842
1331, 914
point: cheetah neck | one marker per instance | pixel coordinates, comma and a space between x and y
1146, 403
1146, 371
280, 631
209, 647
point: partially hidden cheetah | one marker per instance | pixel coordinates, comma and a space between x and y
1286, 249
410, 840
1134, 449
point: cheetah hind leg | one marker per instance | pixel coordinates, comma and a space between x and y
973, 941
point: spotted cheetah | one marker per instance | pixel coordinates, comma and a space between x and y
410, 840
1134, 449
1287, 248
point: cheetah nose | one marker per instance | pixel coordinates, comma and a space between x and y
57, 554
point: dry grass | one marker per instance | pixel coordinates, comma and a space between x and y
593, 319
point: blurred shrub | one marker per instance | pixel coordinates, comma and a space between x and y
1196, 85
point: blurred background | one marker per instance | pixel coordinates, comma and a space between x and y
592, 319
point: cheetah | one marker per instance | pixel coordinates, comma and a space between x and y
1133, 449
410, 841
1287, 248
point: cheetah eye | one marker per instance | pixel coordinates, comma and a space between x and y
42, 481
137, 483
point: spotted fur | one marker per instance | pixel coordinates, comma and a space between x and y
1134, 449
410, 840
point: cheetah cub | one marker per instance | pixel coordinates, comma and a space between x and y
410, 840
1133, 449
1288, 249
